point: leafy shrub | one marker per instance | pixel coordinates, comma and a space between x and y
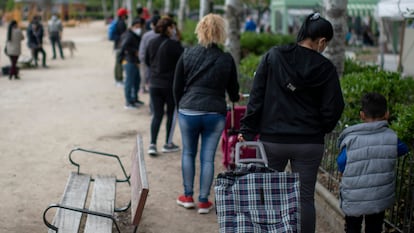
404, 123
258, 44
248, 66
189, 38
398, 91
352, 66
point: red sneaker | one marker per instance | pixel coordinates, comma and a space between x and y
186, 201
205, 207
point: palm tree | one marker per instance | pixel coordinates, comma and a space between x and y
204, 8
335, 11
181, 14
233, 11
167, 6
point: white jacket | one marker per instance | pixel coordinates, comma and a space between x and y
14, 47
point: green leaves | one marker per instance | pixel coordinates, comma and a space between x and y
398, 91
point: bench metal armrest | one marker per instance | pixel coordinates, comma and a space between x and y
127, 178
85, 211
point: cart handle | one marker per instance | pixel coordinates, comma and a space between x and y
262, 159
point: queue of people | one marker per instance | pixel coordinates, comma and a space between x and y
34, 36
295, 100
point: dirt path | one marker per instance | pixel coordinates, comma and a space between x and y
75, 103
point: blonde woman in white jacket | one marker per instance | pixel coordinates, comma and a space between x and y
13, 47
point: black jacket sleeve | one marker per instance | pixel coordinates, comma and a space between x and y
179, 81
233, 84
332, 100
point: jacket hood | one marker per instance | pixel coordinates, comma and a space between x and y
304, 66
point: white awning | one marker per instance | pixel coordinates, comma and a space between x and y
395, 9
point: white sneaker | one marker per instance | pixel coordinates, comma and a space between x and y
152, 149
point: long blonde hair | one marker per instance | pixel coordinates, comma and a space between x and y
211, 29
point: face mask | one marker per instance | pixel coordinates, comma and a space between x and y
173, 32
137, 31
321, 46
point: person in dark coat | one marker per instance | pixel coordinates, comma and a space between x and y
203, 75
129, 53
295, 100
35, 34
121, 27
161, 56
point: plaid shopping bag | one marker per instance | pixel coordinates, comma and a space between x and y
257, 199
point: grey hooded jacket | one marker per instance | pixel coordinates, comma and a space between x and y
368, 181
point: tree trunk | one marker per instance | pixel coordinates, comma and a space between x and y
167, 6
104, 9
149, 6
181, 14
130, 15
233, 12
204, 8
335, 11
115, 8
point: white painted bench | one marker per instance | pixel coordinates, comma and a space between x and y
100, 213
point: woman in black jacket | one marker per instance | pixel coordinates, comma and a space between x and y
203, 75
129, 53
295, 100
161, 56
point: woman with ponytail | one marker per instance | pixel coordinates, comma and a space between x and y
13, 47
295, 100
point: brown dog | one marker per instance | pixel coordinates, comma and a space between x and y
69, 44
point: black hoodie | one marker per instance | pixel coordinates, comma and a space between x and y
296, 97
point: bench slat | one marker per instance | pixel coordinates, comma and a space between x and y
139, 182
75, 194
103, 200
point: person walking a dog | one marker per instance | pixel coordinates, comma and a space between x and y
55, 33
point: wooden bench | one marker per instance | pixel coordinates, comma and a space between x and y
100, 214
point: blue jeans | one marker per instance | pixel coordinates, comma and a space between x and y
132, 82
209, 127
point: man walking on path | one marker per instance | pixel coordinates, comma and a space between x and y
55, 33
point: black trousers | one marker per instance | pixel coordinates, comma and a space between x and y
159, 98
36, 52
373, 223
55, 40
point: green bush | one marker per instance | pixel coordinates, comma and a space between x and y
258, 44
248, 66
404, 123
398, 91
189, 38
352, 66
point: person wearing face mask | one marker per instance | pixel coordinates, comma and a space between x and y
161, 56
129, 56
295, 100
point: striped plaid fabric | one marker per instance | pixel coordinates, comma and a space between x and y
256, 199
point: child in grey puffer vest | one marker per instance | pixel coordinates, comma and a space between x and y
367, 160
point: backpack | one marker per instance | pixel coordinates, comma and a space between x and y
112, 33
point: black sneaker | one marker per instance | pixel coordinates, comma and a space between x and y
139, 102
168, 148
